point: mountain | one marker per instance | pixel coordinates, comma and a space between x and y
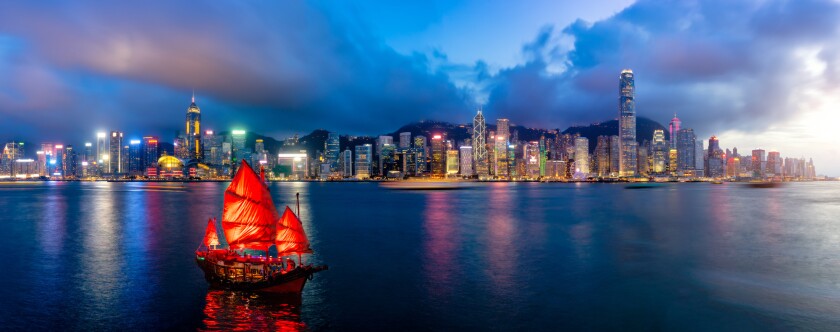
644, 130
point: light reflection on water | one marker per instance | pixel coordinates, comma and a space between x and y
506, 256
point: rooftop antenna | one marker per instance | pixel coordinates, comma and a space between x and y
193, 96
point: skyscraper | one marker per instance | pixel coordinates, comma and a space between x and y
466, 160
364, 155
503, 128
437, 156
193, 133
345, 164
135, 157
715, 160
759, 163
479, 144
660, 152
405, 140
101, 152
115, 156
332, 150
150, 154
686, 146
674, 128
581, 157
627, 123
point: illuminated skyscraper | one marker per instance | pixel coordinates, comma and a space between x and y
101, 152
452, 164
759, 163
364, 156
150, 155
774, 163
660, 152
115, 156
627, 123
438, 156
466, 160
581, 157
331, 150
674, 128
193, 133
479, 144
686, 146
135, 157
715, 160
345, 163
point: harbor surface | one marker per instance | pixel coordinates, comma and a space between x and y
494, 256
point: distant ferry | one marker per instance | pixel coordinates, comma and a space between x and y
251, 222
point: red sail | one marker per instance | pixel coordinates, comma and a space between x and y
249, 218
211, 238
291, 238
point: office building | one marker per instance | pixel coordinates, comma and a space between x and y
193, 137
364, 158
479, 144
627, 123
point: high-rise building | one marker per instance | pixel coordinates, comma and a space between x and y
698, 159
438, 156
503, 129
774, 163
387, 159
674, 128
331, 149
660, 152
364, 156
500, 154
531, 158
345, 164
466, 160
452, 164
420, 154
135, 157
615, 155
193, 133
115, 156
238, 149
602, 156
581, 157
715, 159
627, 123
479, 144
405, 140
686, 146
759, 163
150, 154
102, 152
212, 148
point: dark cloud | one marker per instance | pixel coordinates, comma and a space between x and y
720, 65
268, 66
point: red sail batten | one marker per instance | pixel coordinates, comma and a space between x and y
249, 218
291, 237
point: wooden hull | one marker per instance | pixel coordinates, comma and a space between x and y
290, 282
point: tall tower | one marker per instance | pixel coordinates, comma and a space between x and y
115, 158
479, 143
674, 128
193, 132
627, 123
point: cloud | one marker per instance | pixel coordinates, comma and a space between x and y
269, 66
721, 65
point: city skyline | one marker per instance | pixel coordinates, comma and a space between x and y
742, 89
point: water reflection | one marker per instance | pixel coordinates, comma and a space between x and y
501, 252
440, 247
242, 311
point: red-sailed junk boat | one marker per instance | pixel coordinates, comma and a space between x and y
250, 221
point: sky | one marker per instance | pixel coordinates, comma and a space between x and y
757, 74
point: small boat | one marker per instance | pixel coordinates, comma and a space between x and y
764, 184
251, 223
643, 185
717, 182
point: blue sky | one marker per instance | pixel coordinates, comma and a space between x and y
758, 74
